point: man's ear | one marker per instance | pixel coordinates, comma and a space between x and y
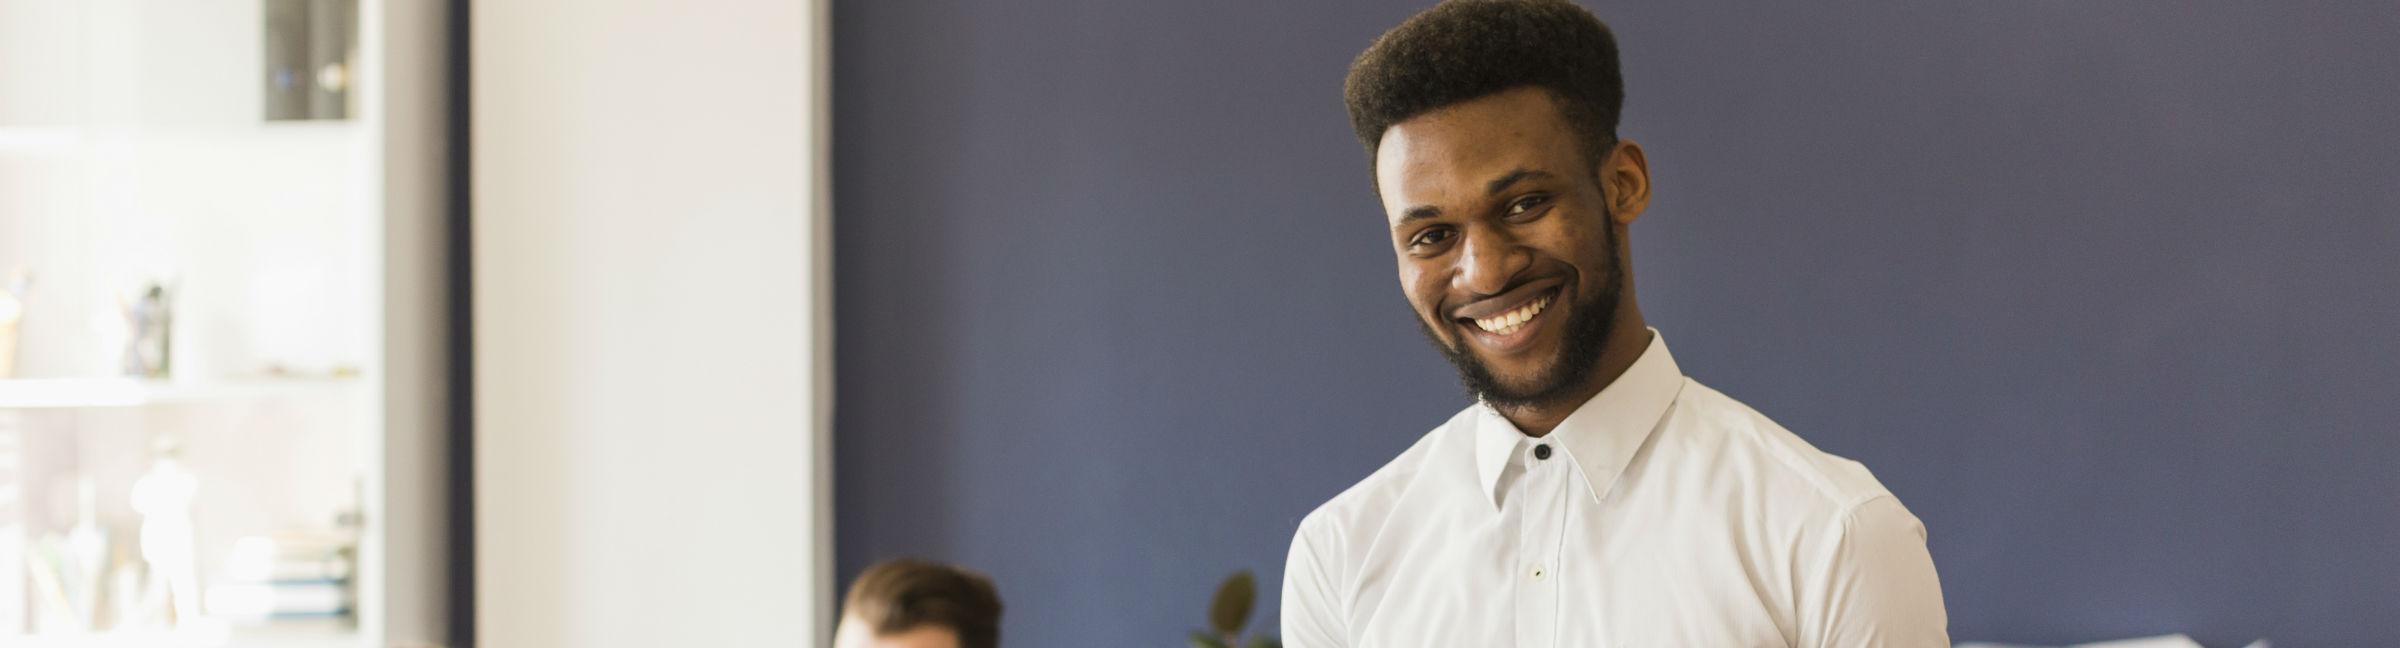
1625, 181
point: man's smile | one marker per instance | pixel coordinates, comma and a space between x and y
1506, 323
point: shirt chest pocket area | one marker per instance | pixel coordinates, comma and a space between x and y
1674, 618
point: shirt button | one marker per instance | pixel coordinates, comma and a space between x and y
1541, 451
1539, 573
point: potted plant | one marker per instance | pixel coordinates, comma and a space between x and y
1229, 612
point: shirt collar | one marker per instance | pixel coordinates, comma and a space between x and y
1601, 436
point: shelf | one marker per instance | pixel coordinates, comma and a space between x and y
38, 140
303, 637
72, 393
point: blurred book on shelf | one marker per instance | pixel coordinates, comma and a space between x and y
12, 528
288, 577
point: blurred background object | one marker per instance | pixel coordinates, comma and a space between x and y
310, 48
223, 345
1229, 613
12, 312
149, 325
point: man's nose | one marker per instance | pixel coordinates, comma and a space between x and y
1490, 261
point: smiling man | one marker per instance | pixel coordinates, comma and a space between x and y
1593, 495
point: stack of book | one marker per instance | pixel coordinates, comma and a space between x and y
14, 606
284, 578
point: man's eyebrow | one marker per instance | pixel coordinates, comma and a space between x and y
1497, 185
1501, 183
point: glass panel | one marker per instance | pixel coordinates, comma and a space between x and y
189, 294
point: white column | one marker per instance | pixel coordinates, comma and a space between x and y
651, 366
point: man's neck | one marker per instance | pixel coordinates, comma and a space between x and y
1625, 345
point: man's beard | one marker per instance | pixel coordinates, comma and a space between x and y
1593, 321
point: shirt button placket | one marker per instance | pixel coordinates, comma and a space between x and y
1538, 608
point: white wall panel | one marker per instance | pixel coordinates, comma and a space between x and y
649, 329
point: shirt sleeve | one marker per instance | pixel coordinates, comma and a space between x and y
1312, 604
1873, 583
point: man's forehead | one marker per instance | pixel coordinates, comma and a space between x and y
1450, 154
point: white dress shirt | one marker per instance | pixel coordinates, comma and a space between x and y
1660, 513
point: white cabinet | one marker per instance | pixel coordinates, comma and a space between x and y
300, 417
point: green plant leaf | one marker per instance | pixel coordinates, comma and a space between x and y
1264, 642
1202, 639
1231, 609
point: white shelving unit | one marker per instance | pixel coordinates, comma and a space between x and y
133, 149
93, 393
210, 638
25, 141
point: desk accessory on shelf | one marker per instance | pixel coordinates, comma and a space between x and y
149, 321
12, 311
163, 496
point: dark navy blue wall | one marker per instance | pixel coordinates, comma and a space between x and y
2108, 293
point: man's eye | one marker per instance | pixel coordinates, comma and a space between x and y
1527, 204
1431, 237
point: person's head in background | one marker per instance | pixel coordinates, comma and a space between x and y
917, 604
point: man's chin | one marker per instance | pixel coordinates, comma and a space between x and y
1516, 386
1517, 381
1519, 397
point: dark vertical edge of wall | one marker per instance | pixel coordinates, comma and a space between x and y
460, 289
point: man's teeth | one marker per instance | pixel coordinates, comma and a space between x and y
1509, 322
